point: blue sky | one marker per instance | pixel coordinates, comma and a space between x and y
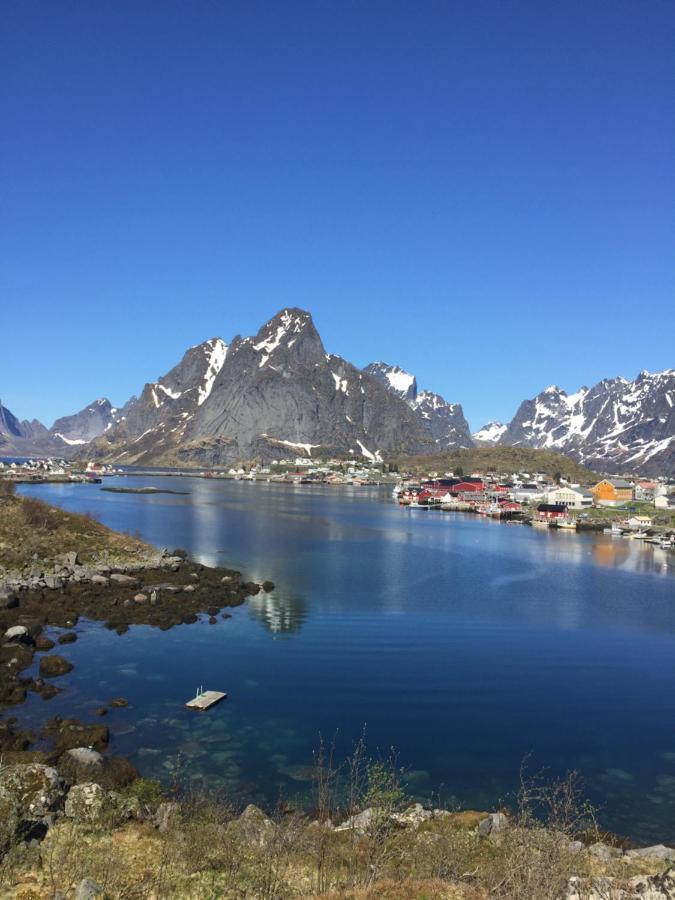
480, 192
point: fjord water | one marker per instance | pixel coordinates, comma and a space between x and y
465, 644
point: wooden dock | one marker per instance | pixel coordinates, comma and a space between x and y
205, 699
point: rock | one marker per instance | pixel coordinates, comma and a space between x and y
84, 756
251, 588
70, 734
255, 825
140, 598
128, 603
127, 580
33, 790
189, 588
100, 579
43, 643
167, 815
495, 823
101, 711
92, 804
213, 620
604, 851
641, 887
414, 815
18, 634
360, 822
68, 638
118, 702
70, 559
54, 582
8, 600
87, 889
268, 586
657, 852
53, 666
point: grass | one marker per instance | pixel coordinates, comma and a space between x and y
208, 850
33, 531
502, 460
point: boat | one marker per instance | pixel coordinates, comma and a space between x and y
566, 523
640, 535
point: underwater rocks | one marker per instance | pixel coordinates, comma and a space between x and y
53, 666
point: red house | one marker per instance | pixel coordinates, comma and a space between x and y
551, 511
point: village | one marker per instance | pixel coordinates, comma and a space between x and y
641, 509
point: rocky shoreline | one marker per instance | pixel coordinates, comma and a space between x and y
162, 590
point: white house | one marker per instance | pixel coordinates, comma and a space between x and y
571, 497
664, 501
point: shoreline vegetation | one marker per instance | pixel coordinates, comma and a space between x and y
77, 821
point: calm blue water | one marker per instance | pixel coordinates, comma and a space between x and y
464, 643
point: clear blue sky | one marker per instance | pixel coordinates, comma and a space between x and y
482, 192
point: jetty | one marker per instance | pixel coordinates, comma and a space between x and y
205, 699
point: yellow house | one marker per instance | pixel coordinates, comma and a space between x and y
612, 492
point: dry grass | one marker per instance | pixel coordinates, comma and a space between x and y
31, 530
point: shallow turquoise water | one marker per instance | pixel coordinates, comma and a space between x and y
464, 643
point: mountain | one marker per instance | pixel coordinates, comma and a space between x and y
617, 425
86, 425
444, 422
23, 438
275, 395
396, 379
490, 433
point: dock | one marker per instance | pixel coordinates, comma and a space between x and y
205, 699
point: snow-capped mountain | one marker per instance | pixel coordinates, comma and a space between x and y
443, 421
616, 425
274, 395
395, 378
490, 433
88, 424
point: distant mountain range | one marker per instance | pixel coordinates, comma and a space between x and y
279, 394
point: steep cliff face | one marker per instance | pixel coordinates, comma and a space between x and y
274, 395
444, 422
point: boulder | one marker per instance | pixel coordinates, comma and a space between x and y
54, 582
53, 666
641, 887
256, 827
605, 852
189, 588
33, 790
657, 852
8, 600
118, 702
92, 805
495, 823
166, 817
68, 638
43, 643
70, 559
359, 822
126, 580
100, 579
72, 735
18, 634
140, 598
413, 816
268, 586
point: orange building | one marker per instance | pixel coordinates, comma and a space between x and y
612, 492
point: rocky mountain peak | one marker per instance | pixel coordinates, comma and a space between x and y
395, 378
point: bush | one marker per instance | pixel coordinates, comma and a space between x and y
7, 489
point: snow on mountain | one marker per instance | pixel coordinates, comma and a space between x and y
490, 433
266, 397
86, 425
395, 378
443, 421
616, 425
